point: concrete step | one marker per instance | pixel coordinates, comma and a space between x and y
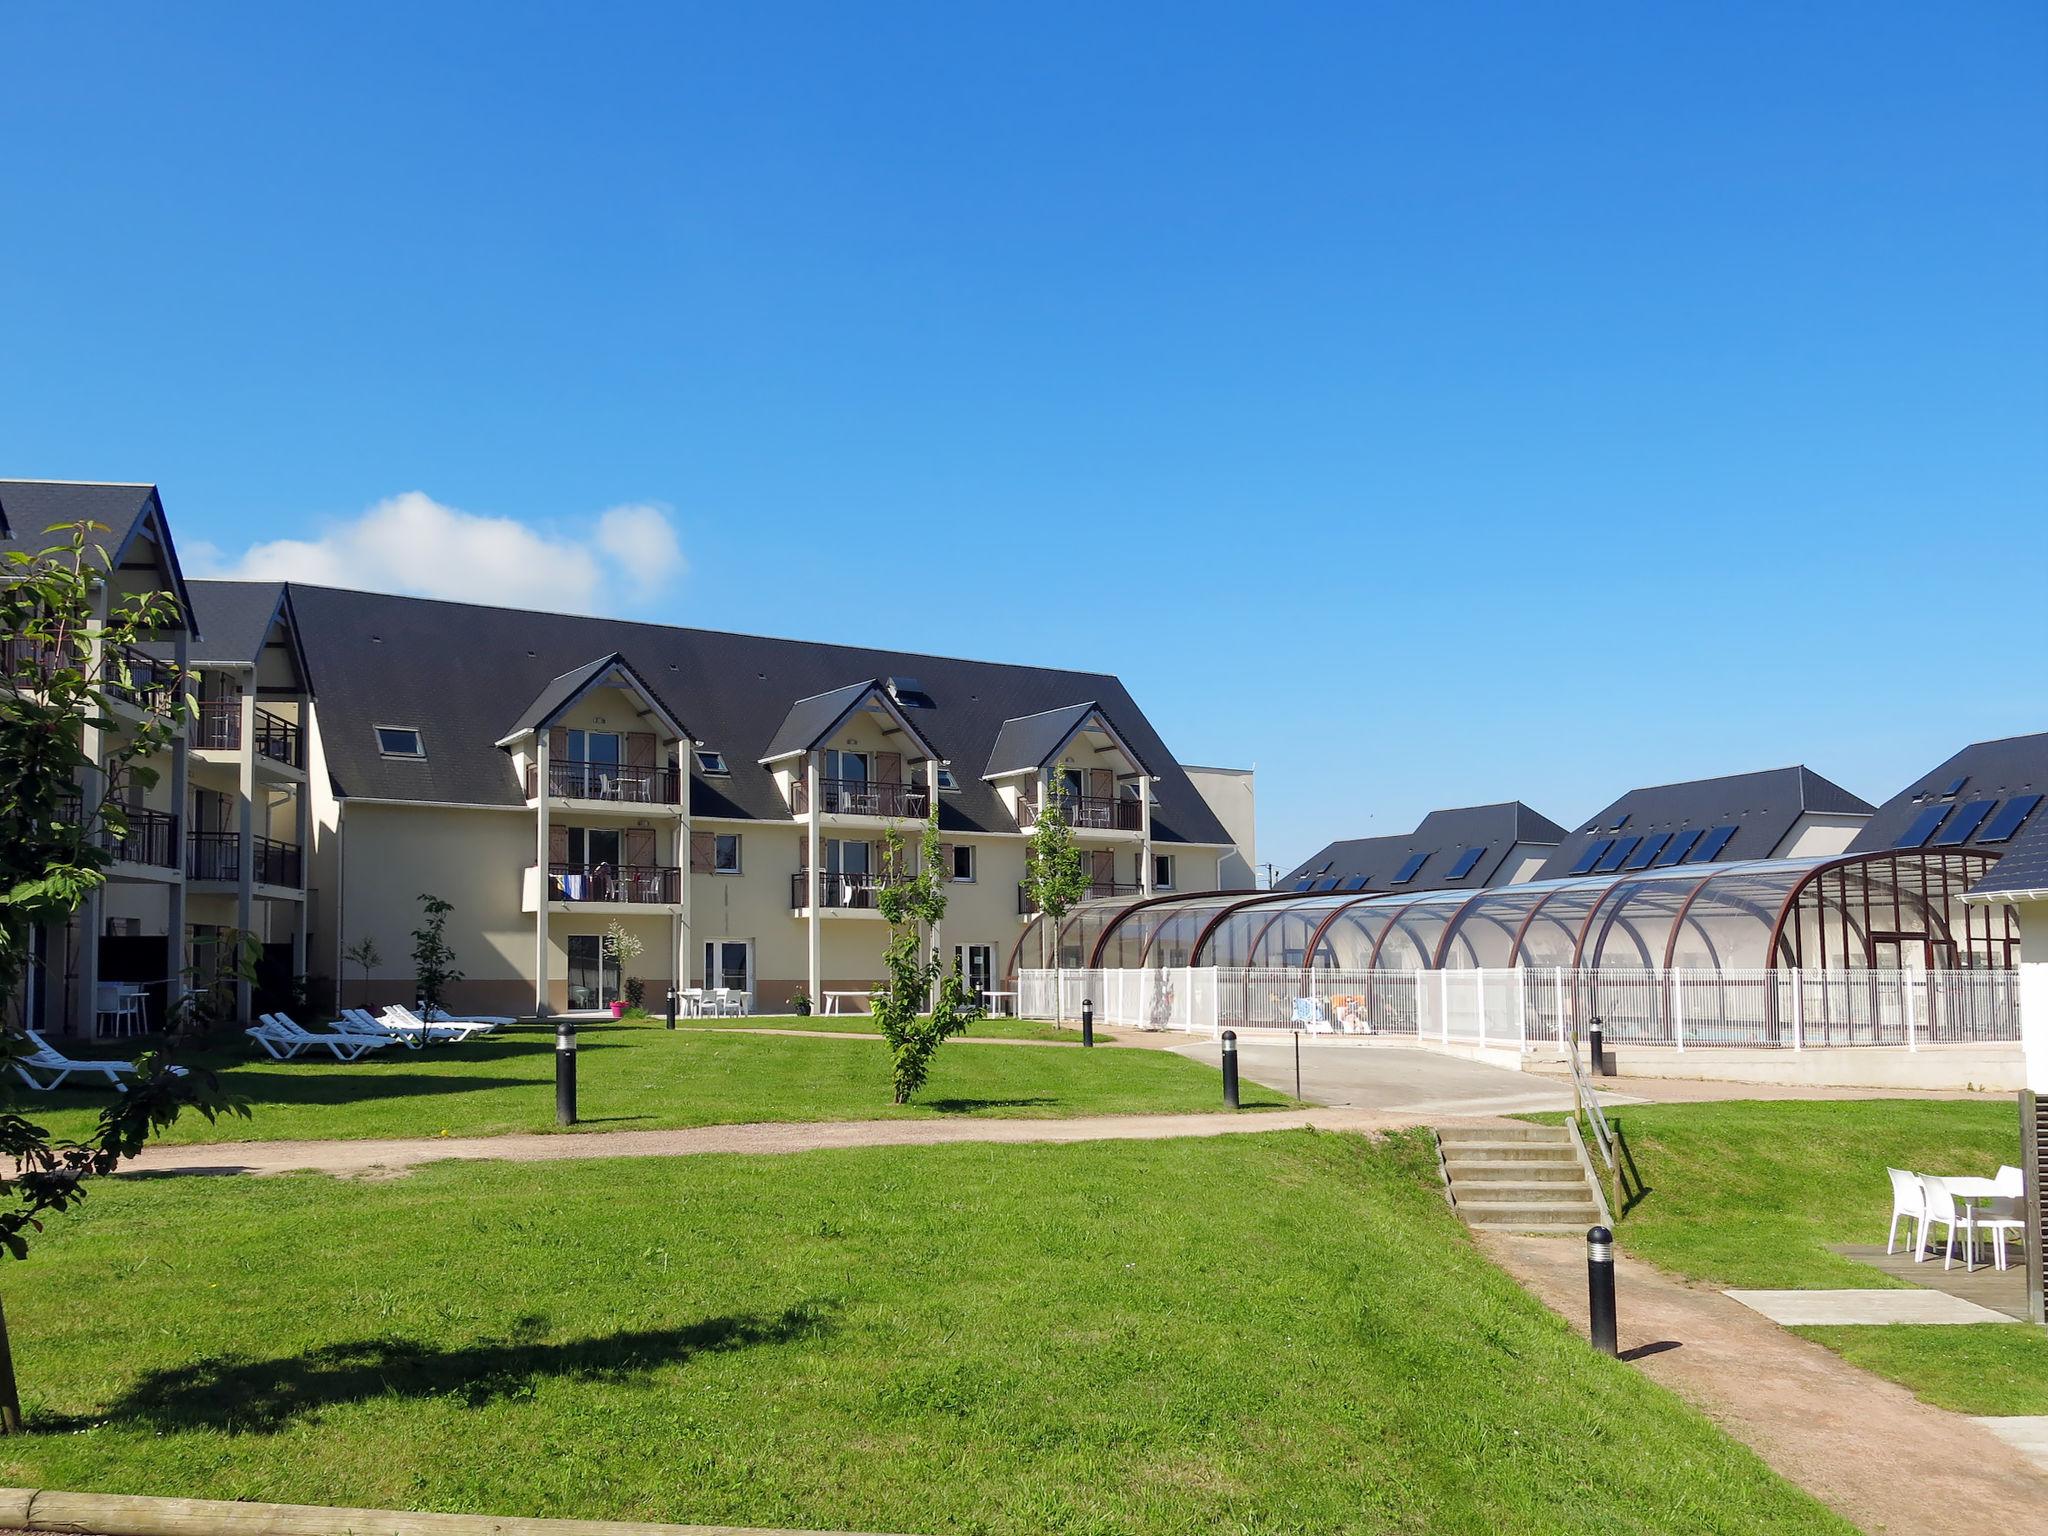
1483, 1190
1465, 1135
1519, 1212
1541, 1228
1512, 1152
1562, 1171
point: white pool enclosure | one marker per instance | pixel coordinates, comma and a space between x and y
1870, 949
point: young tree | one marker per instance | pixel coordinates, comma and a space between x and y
433, 962
364, 953
1054, 877
622, 947
67, 649
913, 904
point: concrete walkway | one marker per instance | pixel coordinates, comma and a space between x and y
1868, 1448
1828, 1309
395, 1157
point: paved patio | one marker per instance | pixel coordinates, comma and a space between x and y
1999, 1292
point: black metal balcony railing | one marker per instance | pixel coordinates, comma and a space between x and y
279, 739
219, 729
1096, 813
151, 838
617, 782
148, 683
861, 797
218, 856
25, 662
1096, 889
219, 726
615, 882
855, 893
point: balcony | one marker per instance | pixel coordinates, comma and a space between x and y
25, 663
615, 783
627, 884
217, 856
837, 893
151, 838
861, 797
219, 729
1092, 813
149, 684
1097, 889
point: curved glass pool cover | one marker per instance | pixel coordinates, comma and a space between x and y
1894, 910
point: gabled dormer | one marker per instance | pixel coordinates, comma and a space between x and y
1104, 785
861, 746
601, 736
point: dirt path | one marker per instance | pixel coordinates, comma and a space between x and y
395, 1157
1866, 1447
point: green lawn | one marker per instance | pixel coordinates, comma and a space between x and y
1990, 1368
1750, 1193
864, 1024
1253, 1334
641, 1076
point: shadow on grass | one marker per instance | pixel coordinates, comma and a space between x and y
969, 1106
236, 1395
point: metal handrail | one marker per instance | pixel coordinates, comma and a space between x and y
1586, 1107
653, 883
1091, 813
619, 783
1096, 889
861, 797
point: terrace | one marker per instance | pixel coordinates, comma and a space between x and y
217, 857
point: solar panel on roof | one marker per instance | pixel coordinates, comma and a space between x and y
1411, 868
1466, 860
1355, 883
1303, 883
1623, 847
1916, 835
1965, 821
1594, 849
1711, 845
2008, 819
1650, 848
1329, 883
1679, 846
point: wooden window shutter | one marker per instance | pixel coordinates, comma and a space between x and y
945, 861
703, 852
558, 744
558, 845
888, 767
803, 854
639, 846
1105, 865
640, 749
1101, 783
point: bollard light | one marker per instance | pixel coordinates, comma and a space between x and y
1087, 1021
1230, 1069
565, 1072
671, 1007
1600, 1289
1594, 1036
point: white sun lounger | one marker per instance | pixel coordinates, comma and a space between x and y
284, 1038
47, 1058
401, 1020
489, 1020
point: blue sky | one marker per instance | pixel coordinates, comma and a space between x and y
1429, 404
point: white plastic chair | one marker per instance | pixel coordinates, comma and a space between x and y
1999, 1215
1944, 1210
122, 1003
1909, 1204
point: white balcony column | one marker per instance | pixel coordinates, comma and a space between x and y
814, 936
1145, 864
540, 859
245, 823
680, 969
91, 788
931, 779
181, 813
302, 813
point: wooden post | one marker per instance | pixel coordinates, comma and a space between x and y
2034, 1165
10, 1399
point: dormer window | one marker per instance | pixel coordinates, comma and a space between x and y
400, 741
946, 779
712, 763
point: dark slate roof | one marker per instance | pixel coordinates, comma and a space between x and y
29, 509
1990, 770
1762, 807
560, 692
460, 671
234, 619
810, 721
2023, 869
1027, 742
1443, 838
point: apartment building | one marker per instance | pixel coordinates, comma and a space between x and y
725, 799
214, 844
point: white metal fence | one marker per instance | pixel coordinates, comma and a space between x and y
1538, 1009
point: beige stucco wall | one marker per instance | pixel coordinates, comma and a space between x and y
1815, 836
1232, 795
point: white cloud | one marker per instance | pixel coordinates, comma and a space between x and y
414, 544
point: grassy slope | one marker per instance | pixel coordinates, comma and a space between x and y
639, 1076
1750, 1194
1281, 1333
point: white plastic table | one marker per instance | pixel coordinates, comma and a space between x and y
996, 1005
834, 999
1970, 1191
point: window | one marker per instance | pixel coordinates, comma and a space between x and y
2007, 821
601, 747
400, 741
725, 858
963, 861
711, 762
1162, 871
1411, 869
1466, 861
946, 779
592, 846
